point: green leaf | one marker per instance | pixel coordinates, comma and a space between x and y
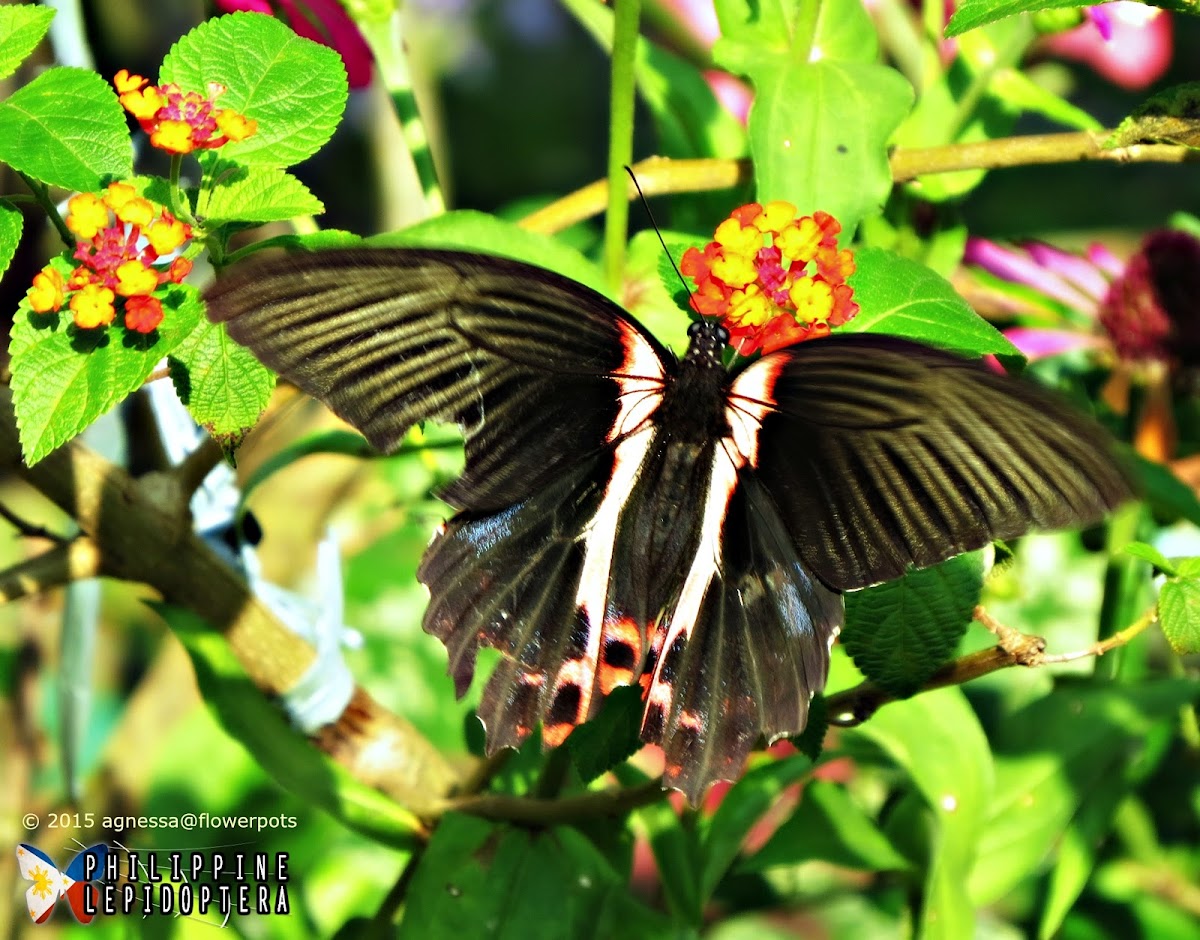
283, 752
1151, 554
1167, 494
900, 633
820, 124
612, 736
742, 806
257, 194
973, 13
903, 298
1054, 757
466, 230
485, 879
11, 223
224, 387
66, 128
938, 741
294, 88
1179, 614
828, 825
65, 378
1024, 94
22, 27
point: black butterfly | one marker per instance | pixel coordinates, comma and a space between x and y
625, 517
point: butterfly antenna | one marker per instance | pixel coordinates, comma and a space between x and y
658, 232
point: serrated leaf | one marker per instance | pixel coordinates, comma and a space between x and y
294, 88
1187, 567
811, 741
258, 725
11, 223
22, 27
466, 230
224, 387
608, 739
1179, 614
64, 378
828, 825
486, 879
903, 298
820, 124
257, 194
1151, 554
66, 128
901, 632
973, 13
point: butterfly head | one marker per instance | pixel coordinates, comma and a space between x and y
708, 339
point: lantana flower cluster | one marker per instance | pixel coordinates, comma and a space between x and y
773, 279
124, 241
181, 121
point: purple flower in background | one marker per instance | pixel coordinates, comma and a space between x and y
1147, 311
323, 21
1148, 307
1130, 44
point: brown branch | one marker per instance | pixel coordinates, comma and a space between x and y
28, 530
66, 562
854, 706
197, 465
1028, 150
142, 532
660, 176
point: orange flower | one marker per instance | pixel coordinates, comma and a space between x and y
181, 121
143, 314
46, 295
772, 279
123, 238
93, 306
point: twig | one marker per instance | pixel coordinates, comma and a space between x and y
28, 529
660, 175
197, 465
1014, 648
66, 562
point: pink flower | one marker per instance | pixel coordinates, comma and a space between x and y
1128, 43
323, 21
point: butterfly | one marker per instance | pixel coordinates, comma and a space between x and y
629, 518
49, 884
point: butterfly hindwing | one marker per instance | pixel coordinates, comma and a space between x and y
883, 454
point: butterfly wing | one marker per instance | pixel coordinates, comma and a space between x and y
555, 387
34, 865
745, 661
540, 371
882, 454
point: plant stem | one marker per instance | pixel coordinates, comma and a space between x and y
1124, 577
620, 143
41, 192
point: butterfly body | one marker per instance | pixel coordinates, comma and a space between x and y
625, 518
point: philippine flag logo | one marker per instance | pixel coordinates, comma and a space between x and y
49, 884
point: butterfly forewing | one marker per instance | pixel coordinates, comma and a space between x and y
882, 454
540, 371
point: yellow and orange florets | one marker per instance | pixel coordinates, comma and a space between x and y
772, 278
124, 248
181, 121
